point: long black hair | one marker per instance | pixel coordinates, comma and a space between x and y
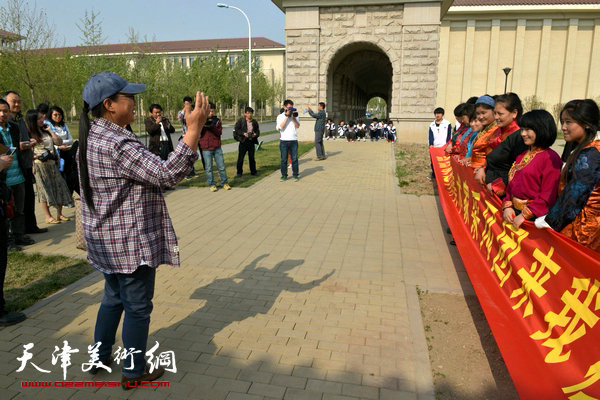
31, 118
84, 129
585, 113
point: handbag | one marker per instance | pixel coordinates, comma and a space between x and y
45, 156
79, 236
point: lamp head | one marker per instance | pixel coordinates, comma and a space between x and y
507, 70
222, 5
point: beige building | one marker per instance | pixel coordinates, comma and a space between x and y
552, 48
417, 55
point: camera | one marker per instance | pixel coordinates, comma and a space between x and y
292, 112
211, 121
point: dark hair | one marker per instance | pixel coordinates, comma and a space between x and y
472, 100
469, 111
84, 130
360, 121
458, 110
439, 110
249, 109
375, 120
187, 98
2, 101
542, 123
153, 106
31, 118
5, 94
211, 106
322, 105
288, 101
511, 102
61, 112
351, 123
43, 108
585, 113
329, 119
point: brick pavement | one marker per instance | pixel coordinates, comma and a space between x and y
287, 290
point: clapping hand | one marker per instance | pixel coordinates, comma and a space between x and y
196, 118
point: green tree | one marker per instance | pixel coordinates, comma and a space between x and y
25, 66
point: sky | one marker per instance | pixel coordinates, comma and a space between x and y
164, 20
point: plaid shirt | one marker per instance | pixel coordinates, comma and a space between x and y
131, 225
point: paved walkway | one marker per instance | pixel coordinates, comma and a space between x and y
287, 290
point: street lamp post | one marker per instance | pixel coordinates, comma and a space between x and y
506, 72
221, 5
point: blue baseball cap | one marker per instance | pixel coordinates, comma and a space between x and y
106, 84
486, 100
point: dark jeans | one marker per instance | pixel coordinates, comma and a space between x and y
244, 147
17, 224
29, 208
290, 146
319, 144
3, 256
132, 293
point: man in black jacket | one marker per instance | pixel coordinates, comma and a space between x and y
159, 129
246, 131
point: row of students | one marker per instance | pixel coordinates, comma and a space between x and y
510, 155
358, 131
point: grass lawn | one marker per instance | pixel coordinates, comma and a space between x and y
268, 160
413, 168
33, 277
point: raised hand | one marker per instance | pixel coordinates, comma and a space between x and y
197, 117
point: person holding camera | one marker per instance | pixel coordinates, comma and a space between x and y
246, 131
287, 123
51, 188
159, 129
210, 142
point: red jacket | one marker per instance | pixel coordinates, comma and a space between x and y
210, 137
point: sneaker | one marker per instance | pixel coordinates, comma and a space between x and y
289, 166
296, 179
131, 383
254, 173
226, 186
283, 178
238, 175
14, 247
213, 188
11, 318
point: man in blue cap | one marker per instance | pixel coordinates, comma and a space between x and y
127, 229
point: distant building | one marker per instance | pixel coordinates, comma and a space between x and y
7, 39
270, 54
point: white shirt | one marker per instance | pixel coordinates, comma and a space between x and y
289, 130
163, 134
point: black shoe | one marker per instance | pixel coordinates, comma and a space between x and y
11, 318
238, 176
146, 377
94, 370
24, 240
254, 173
37, 230
13, 247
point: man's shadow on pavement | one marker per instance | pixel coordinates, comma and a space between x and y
231, 300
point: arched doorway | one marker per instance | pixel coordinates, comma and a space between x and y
358, 72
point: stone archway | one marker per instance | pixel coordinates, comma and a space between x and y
356, 73
345, 54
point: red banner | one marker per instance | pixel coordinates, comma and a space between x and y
539, 290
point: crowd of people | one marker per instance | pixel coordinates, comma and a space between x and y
355, 131
510, 154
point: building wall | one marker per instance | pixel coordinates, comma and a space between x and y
553, 55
